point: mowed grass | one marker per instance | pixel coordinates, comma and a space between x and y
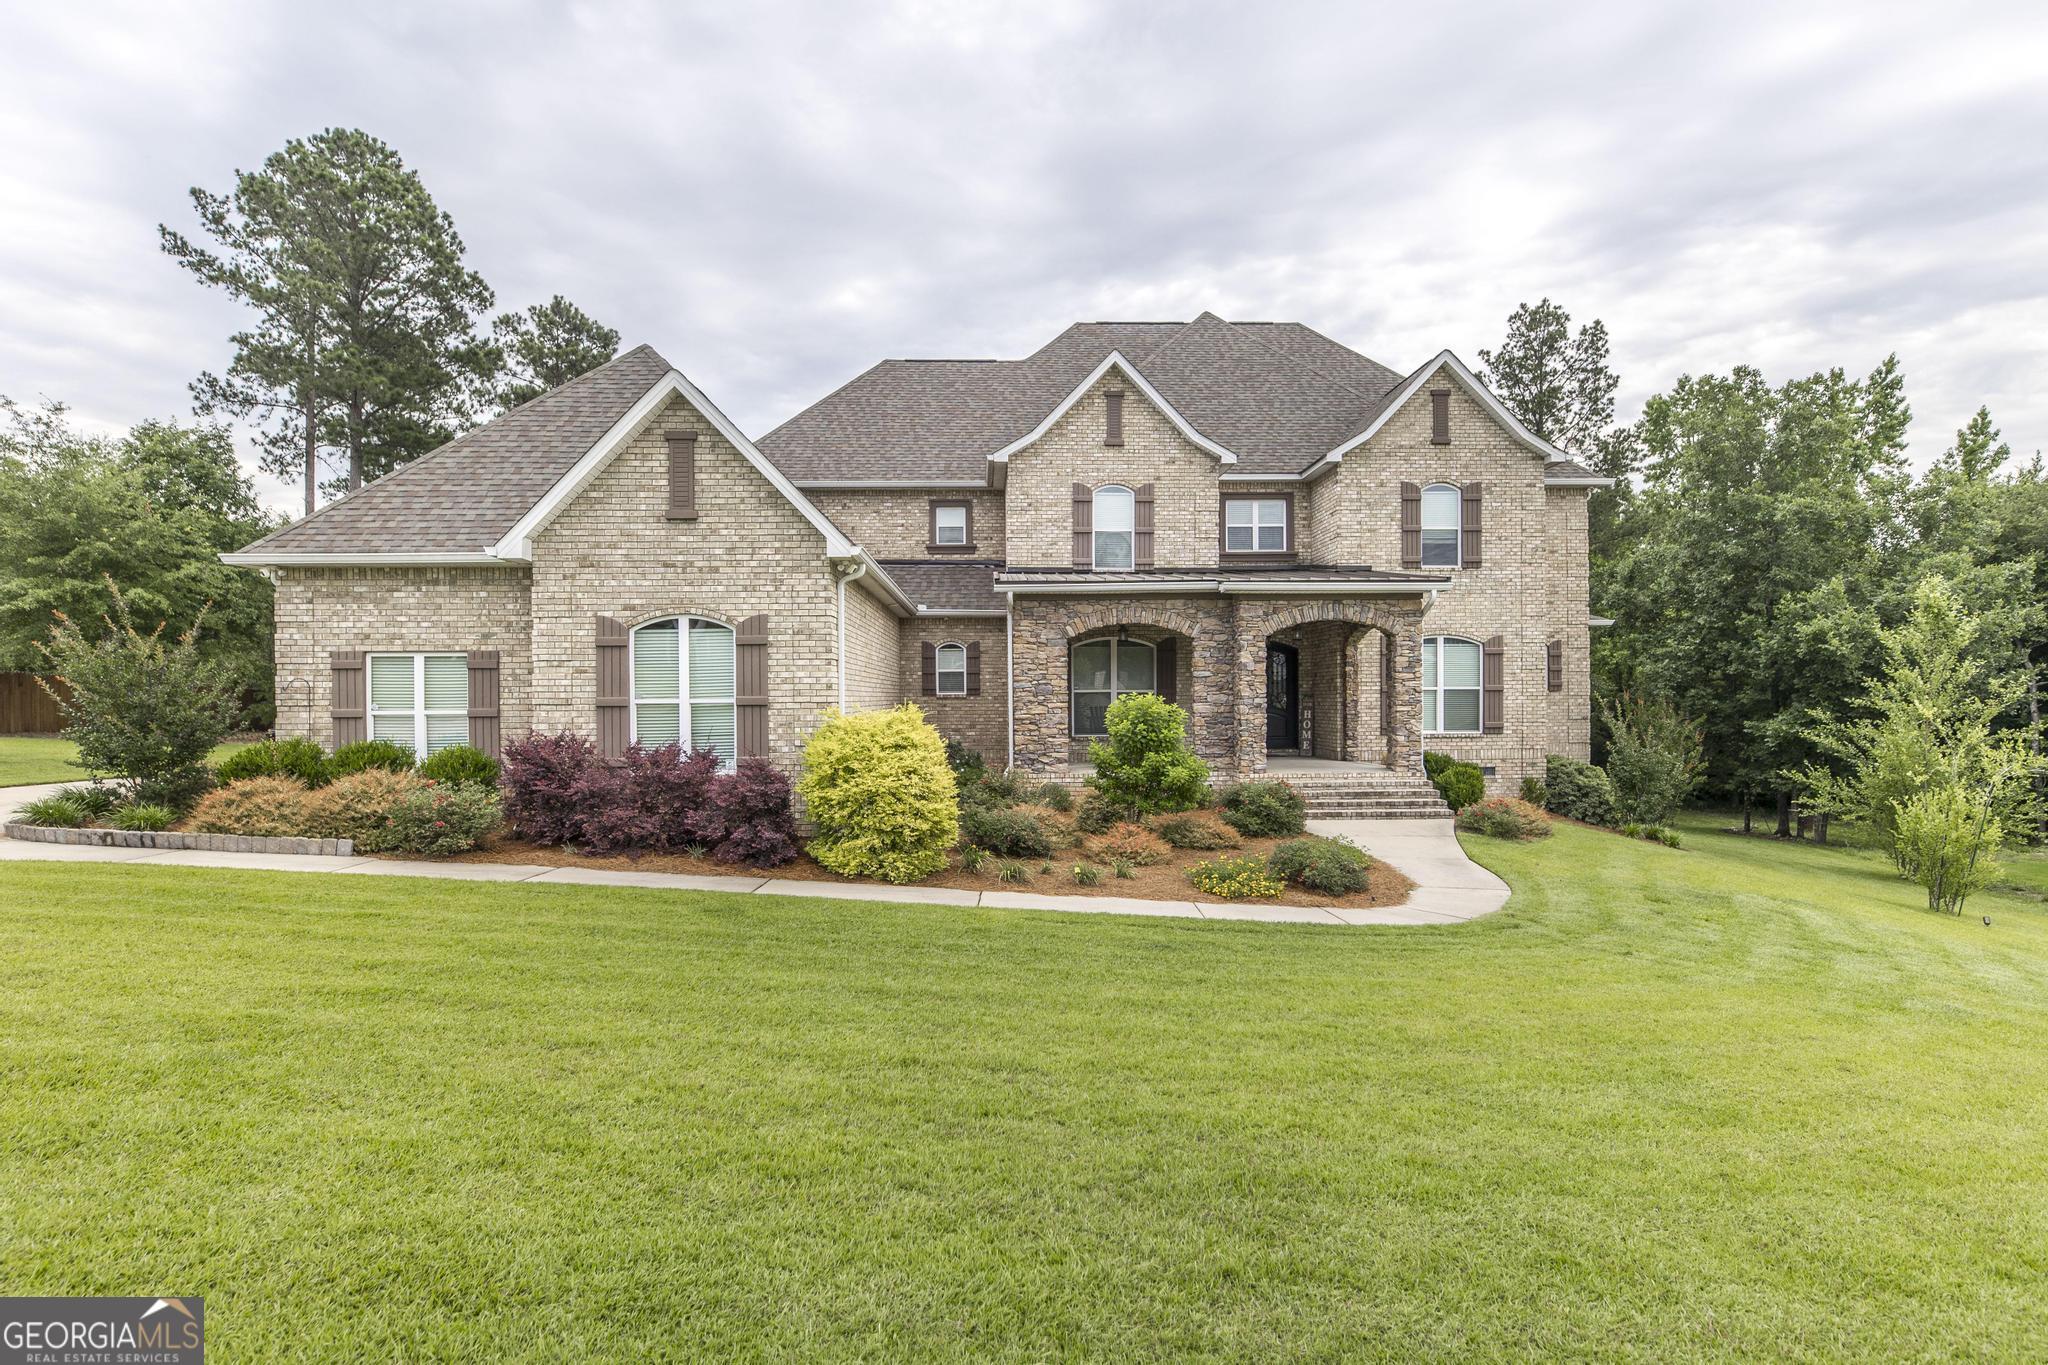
1738, 1100
26, 760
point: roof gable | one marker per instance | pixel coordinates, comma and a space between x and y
1114, 361
1384, 410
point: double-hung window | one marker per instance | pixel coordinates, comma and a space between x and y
949, 525
1113, 520
420, 700
1443, 507
951, 676
683, 687
1450, 685
1104, 670
1255, 526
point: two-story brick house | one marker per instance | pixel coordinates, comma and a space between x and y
1325, 562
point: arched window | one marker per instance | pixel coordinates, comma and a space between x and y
1443, 507
683, 686
1102, 671
952, 670
1450, 685
1113, 522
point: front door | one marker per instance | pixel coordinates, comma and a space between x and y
1283, 696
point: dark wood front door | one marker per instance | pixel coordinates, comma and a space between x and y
1283, 696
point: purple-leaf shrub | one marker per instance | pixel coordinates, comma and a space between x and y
758, 827
540, 776
655, 800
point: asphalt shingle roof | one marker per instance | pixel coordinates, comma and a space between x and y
949, 585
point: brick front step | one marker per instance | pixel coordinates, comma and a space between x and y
1363, 795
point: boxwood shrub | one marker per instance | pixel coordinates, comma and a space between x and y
878, 788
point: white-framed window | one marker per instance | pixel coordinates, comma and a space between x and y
1443, 525
1113, 520
683, 687
1450, 685
1102, 671
420, 700
952, 670
949, 523
1252, 525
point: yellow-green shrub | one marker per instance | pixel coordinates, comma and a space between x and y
272, 807
878, 787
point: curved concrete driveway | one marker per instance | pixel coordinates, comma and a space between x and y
1448, 885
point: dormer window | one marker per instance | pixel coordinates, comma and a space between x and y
1442, 525
1114, 520
1256, 526
952, 525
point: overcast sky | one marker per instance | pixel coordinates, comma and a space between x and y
776, 196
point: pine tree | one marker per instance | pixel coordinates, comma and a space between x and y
547, 346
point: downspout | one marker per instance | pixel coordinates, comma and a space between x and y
859, 571
1010, 680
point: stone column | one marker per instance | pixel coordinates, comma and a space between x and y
1248, 623
1404, 741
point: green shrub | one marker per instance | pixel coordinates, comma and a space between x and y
1535, 793
1950, 837
1197, 832
273, 807
972, 856
1668, 837
964, 762
1132, 843
95, 800
1122, 867
980, 787
1097, 814
1146, 764
1012, 872
1265, 810
355, 806
877, 786
300, 758
1235, 879
1460, 784
1087, 874
436, 819
365, 754
1503, 817
461, 764
1434, 762
1052, 796
1654, 757
60, 811
146, 818
1010, 833
1334, 867
1578, 791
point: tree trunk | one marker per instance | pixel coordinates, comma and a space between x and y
312, 455
1784, 815
1747, 809
355, 444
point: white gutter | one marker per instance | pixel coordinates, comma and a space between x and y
1590, 481
880, 485
925, 611
258, 559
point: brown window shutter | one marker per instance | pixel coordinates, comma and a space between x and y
1440, 417
1491, 695
1166, 663
930, 685
1553, 665
1469, 525
614, 687
750, 685
1084, 526
1141, 526
349, 711
682, 476
974, 668
1113, 432
483, 700
1411, 526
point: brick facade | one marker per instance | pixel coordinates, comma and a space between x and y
981, 721
891, 523
872, 646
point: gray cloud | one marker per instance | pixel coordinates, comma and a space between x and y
777, 195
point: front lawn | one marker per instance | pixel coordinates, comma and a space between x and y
1738, 1100
26, 760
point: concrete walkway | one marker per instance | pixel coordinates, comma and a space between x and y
1449, 886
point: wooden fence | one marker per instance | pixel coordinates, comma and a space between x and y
25, 709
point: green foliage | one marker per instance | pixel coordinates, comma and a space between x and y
1197, 832
1335, 867
980, 787
972, 856
146, 817
1460, 784
1122, 868
1097, 814
1503, 817
1534, 792
1012, 833
1577, 791
145, 711
1053, 796
437, 819
272, 807
1265, 810
1012, 873
365, 754
96, 800
1669, 837
545, 347
355, 806
59, 811
964, 762
460, 763
1654, 760
1235, 879
877, 786
1087, 874
1950, 836
1146, 764
300, 758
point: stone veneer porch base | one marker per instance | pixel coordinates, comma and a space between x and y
172, 839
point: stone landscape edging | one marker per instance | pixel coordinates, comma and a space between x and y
171, 839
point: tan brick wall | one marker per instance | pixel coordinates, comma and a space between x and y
320, 611
872, 648
895, 523
981, 722
612, 551
1530, 588
1042, 476
1302, 540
